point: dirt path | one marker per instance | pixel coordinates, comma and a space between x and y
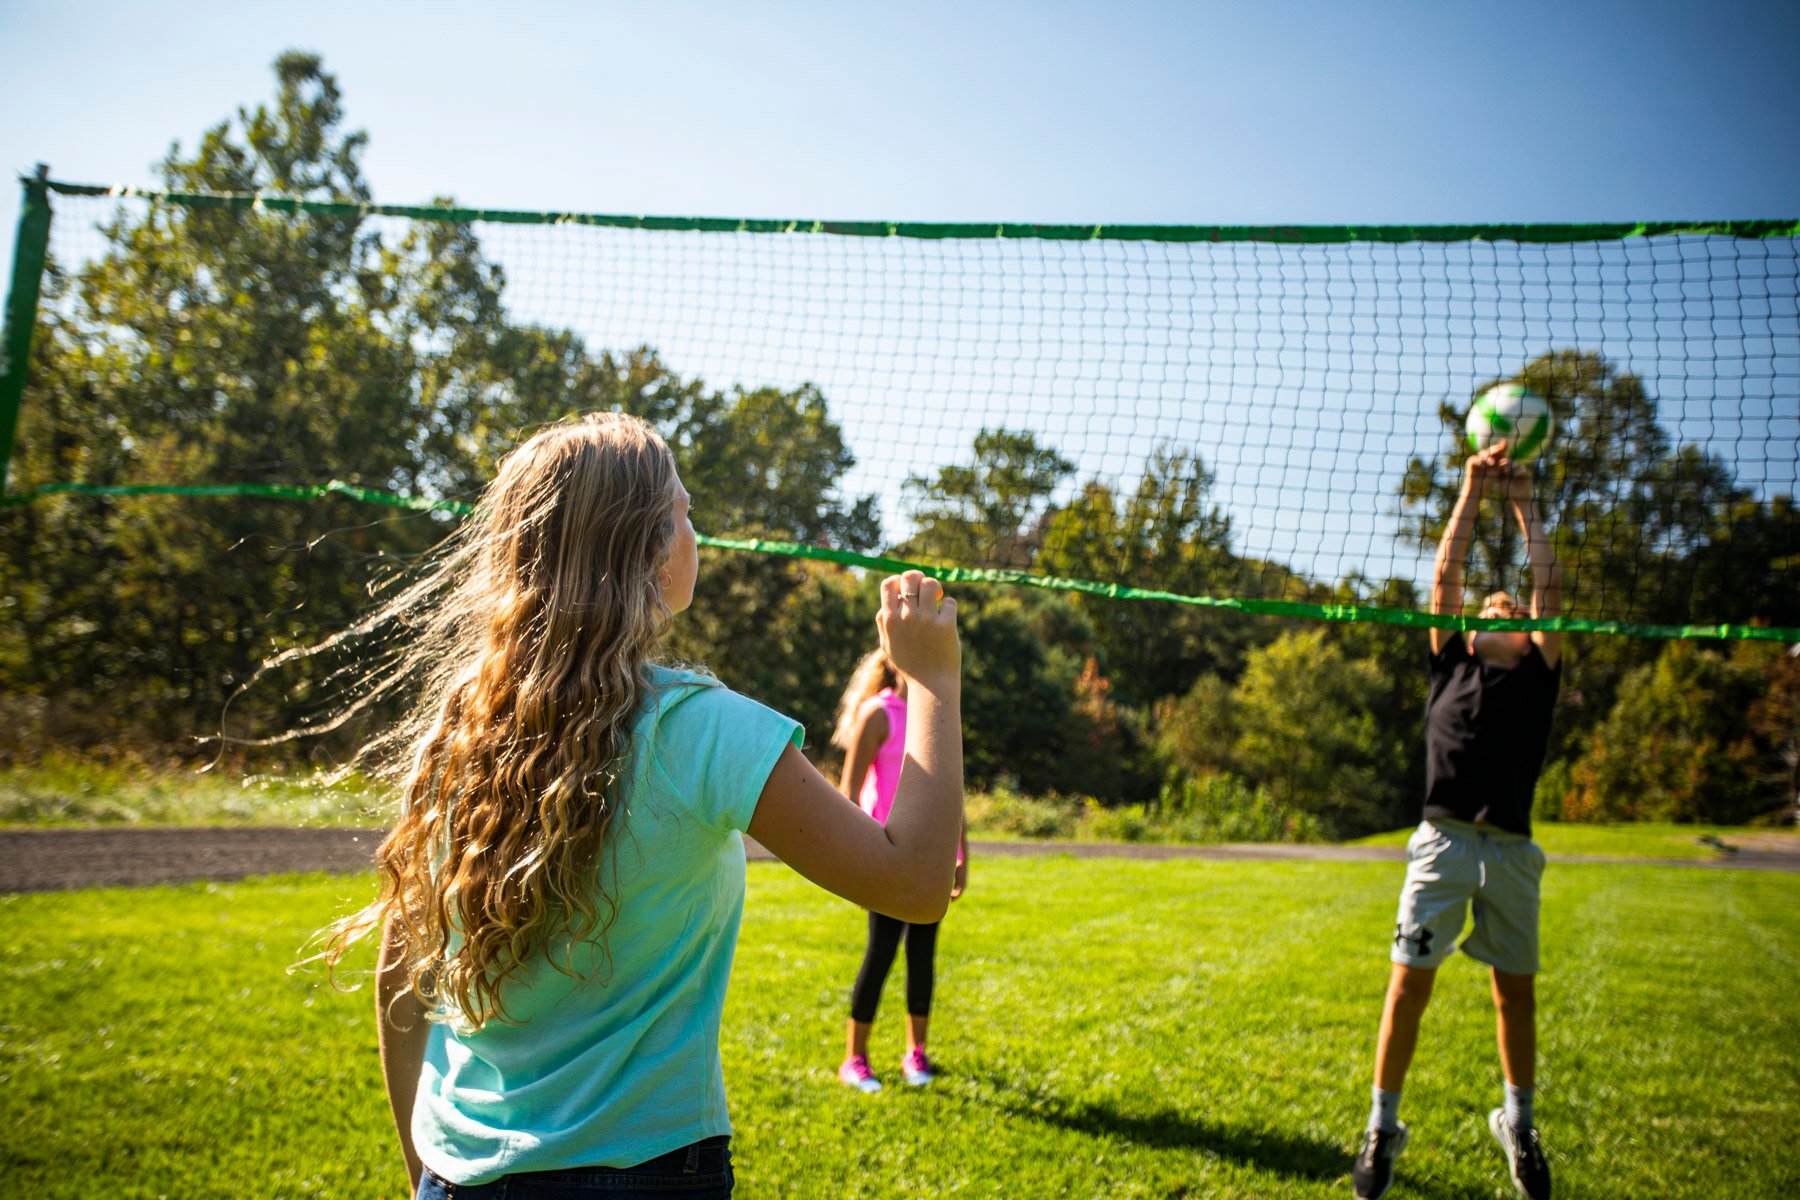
43, 860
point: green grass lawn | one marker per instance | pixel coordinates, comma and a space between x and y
1106, 1028
78, 792
1645, 840
75, 792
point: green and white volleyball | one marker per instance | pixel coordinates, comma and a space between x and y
1513, 413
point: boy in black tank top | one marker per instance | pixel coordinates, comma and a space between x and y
1487, 725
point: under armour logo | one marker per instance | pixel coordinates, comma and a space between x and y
1419, 939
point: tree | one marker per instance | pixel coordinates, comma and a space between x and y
768, 463
987, 513
1107, 756
1676, 746
1015, 707
1627, 509
1750, 561
787, 633
1396, 655
1197, 731
1308, 731
1166, 535
247, 346
220, 344
1774, 722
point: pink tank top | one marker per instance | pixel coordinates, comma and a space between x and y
883, 776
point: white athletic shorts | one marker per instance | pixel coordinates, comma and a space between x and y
1453, 866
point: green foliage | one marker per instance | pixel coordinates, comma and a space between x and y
1004, 812
1627, 509
1751, 561
1167, 531
63, 789
1549, 798
1774, 724
1015, 709
1323, 739
986, 512
1223, 808
1198, 731
1108, 753
1677, 745
1115, 823
211, 344
1397, 658
1307, 731
242, 345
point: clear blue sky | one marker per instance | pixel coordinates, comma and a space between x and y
1273, 112
1317, 111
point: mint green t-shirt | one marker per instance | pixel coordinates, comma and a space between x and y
621, 1063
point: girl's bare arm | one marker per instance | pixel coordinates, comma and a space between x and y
401, 1029
906, 868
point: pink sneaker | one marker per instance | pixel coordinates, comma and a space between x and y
856, 1073
916, 1067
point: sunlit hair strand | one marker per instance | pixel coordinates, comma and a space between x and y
528, 642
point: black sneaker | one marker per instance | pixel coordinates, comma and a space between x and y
1374, 1170
1524, 1157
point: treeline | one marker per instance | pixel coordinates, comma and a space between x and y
214, 345
1316, 729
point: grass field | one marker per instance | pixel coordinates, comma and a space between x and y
73, 791
1643, 840
1106, 1028
77, 792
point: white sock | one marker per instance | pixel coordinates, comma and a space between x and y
1384, 1113
1518, 1106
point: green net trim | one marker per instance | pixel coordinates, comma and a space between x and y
1367, 614
1291, 234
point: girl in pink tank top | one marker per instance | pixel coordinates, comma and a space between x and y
871, 730
883, 774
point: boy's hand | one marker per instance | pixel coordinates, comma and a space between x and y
1483, 467
1518, 485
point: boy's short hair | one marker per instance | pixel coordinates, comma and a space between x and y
1502, 600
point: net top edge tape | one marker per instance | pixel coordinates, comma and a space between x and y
1281, 234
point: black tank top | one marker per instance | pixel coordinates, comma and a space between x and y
1486, 731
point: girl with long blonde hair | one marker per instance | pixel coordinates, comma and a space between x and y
559, 902
871, 731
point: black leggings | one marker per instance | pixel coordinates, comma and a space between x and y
884, 940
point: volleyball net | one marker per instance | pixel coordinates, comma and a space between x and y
1267, 419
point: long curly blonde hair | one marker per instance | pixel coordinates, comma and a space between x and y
529, 644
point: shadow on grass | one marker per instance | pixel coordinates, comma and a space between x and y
1277, 1153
